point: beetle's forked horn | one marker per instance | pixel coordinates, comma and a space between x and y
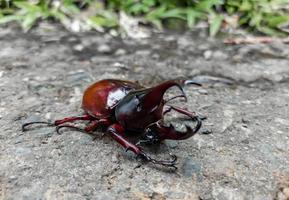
154, 95
170, 133
182, 83
173, 134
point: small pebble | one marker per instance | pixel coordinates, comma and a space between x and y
220, 55
78, 47
202, 91
142, 52
114, 158
208, 54
48, 116
104, 48
155, 56
120, 52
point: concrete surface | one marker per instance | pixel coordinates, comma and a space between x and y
245, 96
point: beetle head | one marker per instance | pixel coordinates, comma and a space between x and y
153, 97
142, 107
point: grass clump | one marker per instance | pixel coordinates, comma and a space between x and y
265, 16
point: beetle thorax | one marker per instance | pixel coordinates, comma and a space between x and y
132, 115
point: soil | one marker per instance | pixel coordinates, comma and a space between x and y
245, 96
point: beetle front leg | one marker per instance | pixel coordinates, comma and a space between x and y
116, 131
59, 122
72, 119
183, 111
89, 128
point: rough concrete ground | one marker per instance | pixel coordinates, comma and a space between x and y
245, 97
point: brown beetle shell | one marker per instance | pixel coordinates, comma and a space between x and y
100, 99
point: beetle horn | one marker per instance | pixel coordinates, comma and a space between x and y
154, 95
170, 133
183, 82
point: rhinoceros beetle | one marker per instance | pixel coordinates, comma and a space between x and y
121, 106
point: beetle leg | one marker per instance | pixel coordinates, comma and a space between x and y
95, 124
59, 122
71, 119
168, 163
38, 122
180, 110
183, 111
116, 131
69, 126
88, 129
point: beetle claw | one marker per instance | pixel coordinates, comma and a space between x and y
57, 128
23, 127
167, 163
